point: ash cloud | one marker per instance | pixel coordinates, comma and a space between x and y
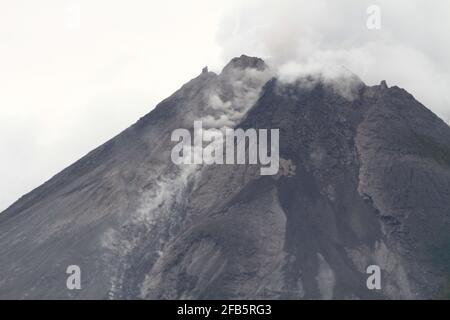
410, 50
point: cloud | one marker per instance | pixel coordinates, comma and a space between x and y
307, 75
410, 50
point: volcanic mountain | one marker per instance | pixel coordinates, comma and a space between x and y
364, 180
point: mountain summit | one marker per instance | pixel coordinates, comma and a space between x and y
244, 62
364, 181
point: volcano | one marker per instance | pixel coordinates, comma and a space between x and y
363, 179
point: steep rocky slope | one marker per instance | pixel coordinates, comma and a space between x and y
364, 179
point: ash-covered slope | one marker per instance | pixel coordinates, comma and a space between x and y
364, 179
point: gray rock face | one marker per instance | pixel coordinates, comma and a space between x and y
364, 179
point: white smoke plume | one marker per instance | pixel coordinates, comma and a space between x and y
168, 193
232, 97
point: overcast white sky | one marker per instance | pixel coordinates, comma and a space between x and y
74, 73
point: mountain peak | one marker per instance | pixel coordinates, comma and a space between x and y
244, 62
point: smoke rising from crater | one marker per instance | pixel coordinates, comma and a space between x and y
410, 50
